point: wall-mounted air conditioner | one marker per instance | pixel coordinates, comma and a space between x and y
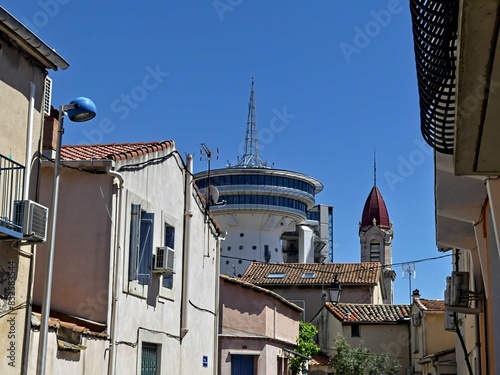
459, 289
457, 295
33, 218
164, 260
449, 320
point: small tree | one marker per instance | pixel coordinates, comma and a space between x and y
347, 360
305, 346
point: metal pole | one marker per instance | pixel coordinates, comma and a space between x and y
44, 324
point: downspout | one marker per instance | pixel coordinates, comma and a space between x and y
29, 136
116, 263
221, 238
27, 176
188, 214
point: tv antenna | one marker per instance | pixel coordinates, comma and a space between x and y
411, 271
211, 192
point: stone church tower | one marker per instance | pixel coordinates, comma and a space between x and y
376, 234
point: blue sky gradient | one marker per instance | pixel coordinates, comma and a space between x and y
334, 80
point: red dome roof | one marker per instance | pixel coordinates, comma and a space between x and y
375, 209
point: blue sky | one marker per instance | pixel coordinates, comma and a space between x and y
333, 81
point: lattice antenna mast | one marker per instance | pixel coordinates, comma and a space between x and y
250, 156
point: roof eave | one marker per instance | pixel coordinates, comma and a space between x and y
30, 42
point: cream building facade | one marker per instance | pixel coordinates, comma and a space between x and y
25, 61
136, 261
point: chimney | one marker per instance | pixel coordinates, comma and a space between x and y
50, 129
416, 294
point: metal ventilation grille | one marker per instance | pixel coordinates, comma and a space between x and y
435, 33
39, 221
47, 96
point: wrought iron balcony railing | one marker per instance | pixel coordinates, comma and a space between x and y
11, 193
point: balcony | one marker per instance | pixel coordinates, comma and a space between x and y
11, 194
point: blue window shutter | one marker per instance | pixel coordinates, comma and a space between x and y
146, 248
135, 230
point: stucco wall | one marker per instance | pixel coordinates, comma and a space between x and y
392, 339
271, 324
87, 233
245, 311
83, 241
16, 73
312, 296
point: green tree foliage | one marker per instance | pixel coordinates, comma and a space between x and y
347, 360
305, 346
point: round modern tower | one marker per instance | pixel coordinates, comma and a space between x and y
269, 214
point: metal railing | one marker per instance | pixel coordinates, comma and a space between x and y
11, 193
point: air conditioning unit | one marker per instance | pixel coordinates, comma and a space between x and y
33, 218
459, 289
164, 261
47, 96
449, 320
447, 291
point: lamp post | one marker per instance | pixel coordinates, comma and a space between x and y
78, 110
335, 291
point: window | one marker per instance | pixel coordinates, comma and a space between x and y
308, 275
374, 251
141, 245
355, 330
168, 279
276, 275
150, 359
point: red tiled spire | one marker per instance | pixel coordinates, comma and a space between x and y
375, 208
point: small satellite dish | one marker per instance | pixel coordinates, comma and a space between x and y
212, 195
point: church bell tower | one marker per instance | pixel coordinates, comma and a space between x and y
376, 234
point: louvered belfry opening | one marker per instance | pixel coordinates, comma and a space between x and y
435, 31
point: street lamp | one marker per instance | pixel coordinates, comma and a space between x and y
78, 110
335, 291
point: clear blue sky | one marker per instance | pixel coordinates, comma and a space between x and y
333, 80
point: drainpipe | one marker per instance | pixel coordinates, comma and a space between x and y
29, 136
221, 238
188, 214
27, 176
116, 262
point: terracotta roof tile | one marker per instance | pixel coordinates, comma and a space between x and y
320, 359
430, 304
367, 313
57, 323
113, 151
261, 290
365, 273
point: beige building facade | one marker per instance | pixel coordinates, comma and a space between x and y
381, 328
25, 61
258, 329
136, 264
432, 337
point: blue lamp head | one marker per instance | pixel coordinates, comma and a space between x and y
83, 110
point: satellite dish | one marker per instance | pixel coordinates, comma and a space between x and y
211, 195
